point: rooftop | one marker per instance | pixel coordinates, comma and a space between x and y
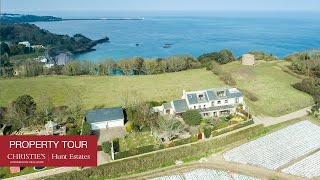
105, 114
180, 105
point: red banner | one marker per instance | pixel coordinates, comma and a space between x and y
48, 151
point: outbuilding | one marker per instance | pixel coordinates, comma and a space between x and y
105, 118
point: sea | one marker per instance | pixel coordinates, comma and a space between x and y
164, 34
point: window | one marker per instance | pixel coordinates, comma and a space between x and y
212, 104
199, 106
204, 106
226, 101
237, 100
194, 107
219, 102
220, 93
200, 97
205, 114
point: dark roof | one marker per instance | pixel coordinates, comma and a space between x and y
193, 98
105, 114
214, 108
234, 94
180, 105
167, 106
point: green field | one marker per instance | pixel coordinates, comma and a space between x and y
271, 85
266, 80
108, 90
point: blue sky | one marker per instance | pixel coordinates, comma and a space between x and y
159, 5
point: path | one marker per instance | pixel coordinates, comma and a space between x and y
267, 121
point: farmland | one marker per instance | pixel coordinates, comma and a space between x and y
267, 81
108, 90
308, 167
271, 85
206, 174
294, 150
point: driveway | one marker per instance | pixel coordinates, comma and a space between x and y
109, 134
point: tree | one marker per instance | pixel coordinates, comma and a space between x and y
168, 128
25, 106
151, 66
192, 117
74, 105
106, 147
86, 128
4, 48
73, 131
45, 109
145, 116
137, 65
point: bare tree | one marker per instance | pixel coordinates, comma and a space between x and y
168, 128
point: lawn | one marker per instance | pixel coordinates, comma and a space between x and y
135, 140
108, 90
271, 85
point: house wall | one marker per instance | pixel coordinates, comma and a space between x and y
109, 124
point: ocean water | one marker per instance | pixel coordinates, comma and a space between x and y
194, 34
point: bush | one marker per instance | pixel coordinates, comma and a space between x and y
86, 128
70, 120
192, 117
73, 131
129, 127
106, 147
228, 129
207, 131
157, 159
116, 145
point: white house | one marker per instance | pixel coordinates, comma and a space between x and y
105, 118
209, 102
25, 43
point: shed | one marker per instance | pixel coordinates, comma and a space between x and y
247, 59
105, 118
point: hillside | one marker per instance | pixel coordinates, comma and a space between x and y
271, 85
18, 18
267, 81
30, 32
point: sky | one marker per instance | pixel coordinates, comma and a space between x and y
159, 5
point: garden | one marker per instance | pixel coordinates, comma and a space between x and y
148, 131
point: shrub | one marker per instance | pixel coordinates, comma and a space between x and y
249, 94
207, 131
73, 131
116, 145
106, 147
86, 128
129, 127
70, 120
192, 117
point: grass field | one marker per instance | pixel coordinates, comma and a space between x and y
107, 90
271, 85
266, 80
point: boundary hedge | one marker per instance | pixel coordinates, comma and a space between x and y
232, 128
157, 159
150, 148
